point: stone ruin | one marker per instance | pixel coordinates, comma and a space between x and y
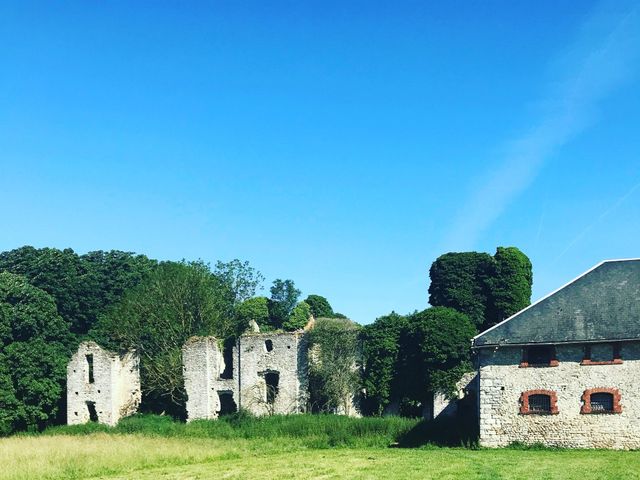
264, 373
102, 386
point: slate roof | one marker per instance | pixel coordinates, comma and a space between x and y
601, 304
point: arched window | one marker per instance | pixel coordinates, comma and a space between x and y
601, 400
539, 402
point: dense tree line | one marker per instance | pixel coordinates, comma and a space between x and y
52, 299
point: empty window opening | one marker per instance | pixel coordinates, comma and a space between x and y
227, 403
539, 404
93, 415
268, 345
272, 379
90, 367
227, 356
539, 356
602, 402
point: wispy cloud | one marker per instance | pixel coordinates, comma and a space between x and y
603, 59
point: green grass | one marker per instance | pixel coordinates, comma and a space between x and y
302, 446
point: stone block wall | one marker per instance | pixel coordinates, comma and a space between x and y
503, 383
102, 385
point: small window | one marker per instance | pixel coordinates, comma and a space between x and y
538, 402
268, 345
601, 400
602, 354
93, 415
89, 358
539, 356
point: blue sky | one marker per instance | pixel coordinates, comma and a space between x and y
344, 145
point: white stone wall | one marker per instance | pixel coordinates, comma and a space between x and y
115, 390
288, 357
502, 382
445, 406
202, 364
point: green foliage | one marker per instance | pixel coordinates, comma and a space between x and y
242, 279
436, 351
284, 297
381, 352
487, 289
257, 309
34, 349
511, 285
299, 317
175, 302
320, 306
334, 376
82, 286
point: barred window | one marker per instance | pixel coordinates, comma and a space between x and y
602, 402
539, 404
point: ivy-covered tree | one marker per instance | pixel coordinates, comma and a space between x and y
299, 317
284, 297
334, 372
35, 346
176, 301
435, 352
381, 352
510, 286
320, 306
486, 288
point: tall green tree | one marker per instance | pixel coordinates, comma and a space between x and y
82, 286
256, 309
284, 297
320, 306
487, 289
510, 286
241, 279
381, 352
176, 301
35, 346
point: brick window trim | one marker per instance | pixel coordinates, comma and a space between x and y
615, 361
586, 401
524, 402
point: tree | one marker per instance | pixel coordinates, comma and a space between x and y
284, 296
299, 317
381, 352
241, 278
510, 286
35, 346
459, 280
435, 352
176, 301
256, 309
334, 376
82, 286
487, 289
320, 306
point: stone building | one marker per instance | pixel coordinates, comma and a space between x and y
264, 373
565, 371
102, 386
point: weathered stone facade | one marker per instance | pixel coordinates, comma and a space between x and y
503, 382
102, 386
269, 375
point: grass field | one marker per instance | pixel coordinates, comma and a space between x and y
284, 447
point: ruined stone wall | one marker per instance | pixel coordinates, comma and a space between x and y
261, 357
112, 390
502, 382
443, 405
202, 364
